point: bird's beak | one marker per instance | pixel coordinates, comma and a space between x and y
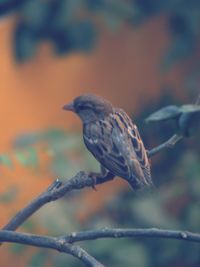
69, 106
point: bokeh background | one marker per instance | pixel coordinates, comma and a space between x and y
141, 55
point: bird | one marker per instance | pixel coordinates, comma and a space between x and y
113, 139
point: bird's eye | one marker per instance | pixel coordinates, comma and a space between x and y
84, 107
81, 108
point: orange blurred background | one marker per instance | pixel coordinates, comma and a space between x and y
124, 67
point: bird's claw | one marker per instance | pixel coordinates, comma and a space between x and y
94, 187
94, 178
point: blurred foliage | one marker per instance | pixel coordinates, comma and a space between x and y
9, 196
187, 118
73, 25
38, 259
60, 153
5, 160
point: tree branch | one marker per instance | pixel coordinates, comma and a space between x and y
130, 233
59, 189
65, 243
54, 192
58, 244
167, 144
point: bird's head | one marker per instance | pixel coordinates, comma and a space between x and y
90, 107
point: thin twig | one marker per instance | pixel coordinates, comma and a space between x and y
167, 144
50, 242
130, 233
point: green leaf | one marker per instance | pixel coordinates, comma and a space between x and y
189, 123
166, 113
186, 113
189, 108
188, 119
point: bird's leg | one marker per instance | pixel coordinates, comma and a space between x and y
105, 175
101, 177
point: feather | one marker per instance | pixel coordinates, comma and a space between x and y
115, 142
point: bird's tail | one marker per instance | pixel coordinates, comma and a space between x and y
138, 183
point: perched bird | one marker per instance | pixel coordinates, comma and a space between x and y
113, 139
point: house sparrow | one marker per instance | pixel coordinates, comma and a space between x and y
113, 139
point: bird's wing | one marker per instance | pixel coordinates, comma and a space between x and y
116, 144
136, 142
99, 140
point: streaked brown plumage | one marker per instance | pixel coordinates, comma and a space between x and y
113, 139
